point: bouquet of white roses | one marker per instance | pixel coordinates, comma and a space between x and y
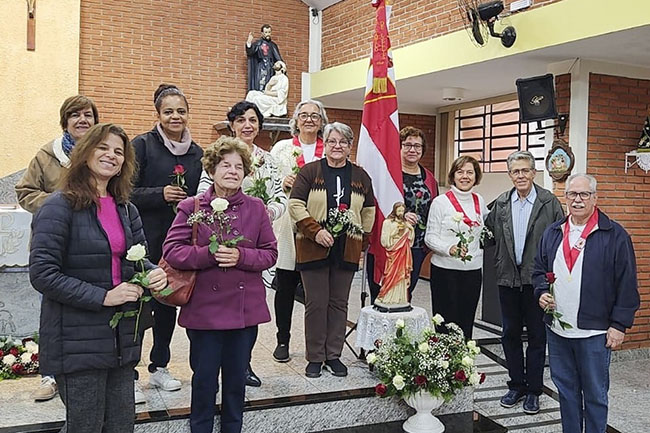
439, 363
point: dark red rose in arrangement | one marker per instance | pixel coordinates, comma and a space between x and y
460, 376
17, 368
34, 357
343, 206
378, 343
178, 169
14, 351
550, 277
381, 389
2, 354
433, 339
420, 380
482, 379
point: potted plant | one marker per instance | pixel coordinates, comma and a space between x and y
425, 370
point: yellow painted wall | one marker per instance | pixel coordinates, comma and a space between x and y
33, 84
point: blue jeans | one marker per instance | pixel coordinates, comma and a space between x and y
580, 370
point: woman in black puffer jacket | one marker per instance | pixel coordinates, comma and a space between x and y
77, 261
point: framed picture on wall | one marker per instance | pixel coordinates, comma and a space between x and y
560, 160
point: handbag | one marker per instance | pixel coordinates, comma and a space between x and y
181, 281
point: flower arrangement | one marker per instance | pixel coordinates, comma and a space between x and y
219, 222
486, 235
339, 221
178, 179
438, 363
464, 239
257, 182
555, 315
18, 358
136, 254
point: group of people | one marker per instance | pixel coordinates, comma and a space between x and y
233, 210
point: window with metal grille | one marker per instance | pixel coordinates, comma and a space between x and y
491, 132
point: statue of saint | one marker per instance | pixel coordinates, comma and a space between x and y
272, 102
397, 237
262, 55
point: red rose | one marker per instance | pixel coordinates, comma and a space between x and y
378, 343
343, 207
17, 368
34, 357
420, 380
14, 351
433, 339
482, 379
550, 277
419, 194
381, 389
178, 169
2, 354
460, 376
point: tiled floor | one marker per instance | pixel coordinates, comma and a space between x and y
629, 391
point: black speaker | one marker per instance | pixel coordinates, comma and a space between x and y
536, 98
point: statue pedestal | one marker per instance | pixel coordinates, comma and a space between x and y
373, 324
19, 302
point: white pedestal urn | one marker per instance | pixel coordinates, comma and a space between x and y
423, 421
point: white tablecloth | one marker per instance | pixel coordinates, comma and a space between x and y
14, 236
373, 325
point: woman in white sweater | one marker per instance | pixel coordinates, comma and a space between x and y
453, 234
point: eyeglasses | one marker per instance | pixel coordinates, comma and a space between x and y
340, 143
524, 171
315, 117
409, 146
572, 195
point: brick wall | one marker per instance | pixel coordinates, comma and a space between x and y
426, 123
348, 26
617, 109
128, 48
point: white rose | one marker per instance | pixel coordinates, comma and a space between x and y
458, 217
219, 204
371, 358
399, 323
444, 364
31, 347
9, 360
398, 382
136, 252
423, 347
476, 350
474, 378
26, 358
471, 344
467, 361
438, 319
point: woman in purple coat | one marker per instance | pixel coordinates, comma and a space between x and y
229, 299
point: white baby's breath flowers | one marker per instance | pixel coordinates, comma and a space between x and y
371, 358
399, 323
136, 252
458, 217
423, 347
219, 204
398, 382
467, 361
438, 319
8, 359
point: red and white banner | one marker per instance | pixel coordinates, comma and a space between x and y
379, 147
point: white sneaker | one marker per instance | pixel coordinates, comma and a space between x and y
163, 379
139, 395
46, 390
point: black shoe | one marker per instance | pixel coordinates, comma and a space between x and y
336, 367
281, 353
252, 379
511, 398
313, 369
531, 404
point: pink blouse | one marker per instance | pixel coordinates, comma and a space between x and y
112, 225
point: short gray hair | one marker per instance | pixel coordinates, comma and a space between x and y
341, 128
293, 123
593, 183
521, 155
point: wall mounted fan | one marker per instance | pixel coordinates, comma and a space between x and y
479, 19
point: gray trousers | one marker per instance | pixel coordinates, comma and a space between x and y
98, 401
326, 311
